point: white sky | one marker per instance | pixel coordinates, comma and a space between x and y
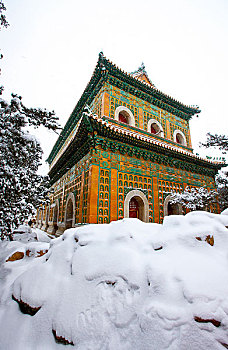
51, 49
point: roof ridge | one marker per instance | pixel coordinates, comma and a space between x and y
103, 58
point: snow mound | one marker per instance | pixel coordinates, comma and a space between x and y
125, 285
225, 212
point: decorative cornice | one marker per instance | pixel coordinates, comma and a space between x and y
108, 129
94, 132
148, 155
129, 189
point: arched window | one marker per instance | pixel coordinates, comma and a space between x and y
123, 118
124, 115
179, 137
154, 127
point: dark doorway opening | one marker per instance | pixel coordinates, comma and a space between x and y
123, 118
55, 217
69, 214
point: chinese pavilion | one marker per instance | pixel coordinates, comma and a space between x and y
123, 155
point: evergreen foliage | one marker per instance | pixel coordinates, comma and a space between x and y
195, 198
3, 21
222, 187
201, 198
22, 188
220, 141
3, 24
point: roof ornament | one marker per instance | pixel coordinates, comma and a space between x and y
141, 74
141, 69
101, 63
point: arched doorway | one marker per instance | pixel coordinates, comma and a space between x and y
69, 214
55, 216
136, 206
172, 209
70, 211
47, 218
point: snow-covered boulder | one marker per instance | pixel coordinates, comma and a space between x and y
126, 285
24, 233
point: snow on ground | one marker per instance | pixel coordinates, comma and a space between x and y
127, 285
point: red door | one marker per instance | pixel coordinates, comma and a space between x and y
133, 208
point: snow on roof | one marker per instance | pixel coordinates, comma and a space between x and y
125, 285
151, 139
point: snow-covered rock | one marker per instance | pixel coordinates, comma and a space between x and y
125, 285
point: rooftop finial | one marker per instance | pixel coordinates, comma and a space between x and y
141, 69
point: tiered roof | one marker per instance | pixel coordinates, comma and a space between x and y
136, 83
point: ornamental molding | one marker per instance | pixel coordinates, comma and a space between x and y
129, 189
168, 160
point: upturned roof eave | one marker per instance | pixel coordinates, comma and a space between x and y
142, 85
100, 73
93, 124
94, 81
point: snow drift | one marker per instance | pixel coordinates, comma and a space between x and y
125, 285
